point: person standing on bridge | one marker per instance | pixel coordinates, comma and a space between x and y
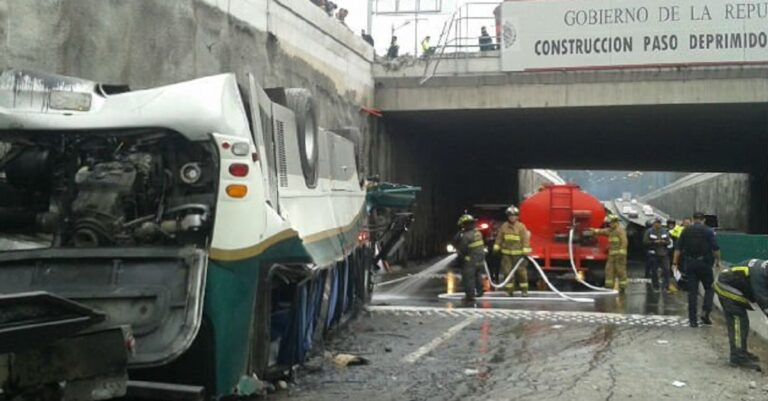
700, 252
394, 49
657, 241
426, 49
470, 251
513, 241
485, 41
616, 264
739, 289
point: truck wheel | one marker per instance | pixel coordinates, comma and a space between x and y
299, 100
354, 135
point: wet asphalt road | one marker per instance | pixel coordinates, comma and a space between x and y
420, 347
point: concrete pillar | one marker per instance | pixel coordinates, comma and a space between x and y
758, 202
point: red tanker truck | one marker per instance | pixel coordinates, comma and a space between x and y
550, 214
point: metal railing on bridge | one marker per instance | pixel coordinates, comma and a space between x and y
457, 40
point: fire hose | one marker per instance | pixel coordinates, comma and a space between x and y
541, 273
576, 273
511, 274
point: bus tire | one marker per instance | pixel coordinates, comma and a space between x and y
300, 101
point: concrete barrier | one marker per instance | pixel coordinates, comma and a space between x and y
726, 195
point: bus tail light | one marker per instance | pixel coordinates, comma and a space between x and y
237, 191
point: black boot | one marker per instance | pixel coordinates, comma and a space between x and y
705, 320
741, 360
752, 357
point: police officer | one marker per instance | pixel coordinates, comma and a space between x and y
699, 251
513, 241
738, 288
471, 255
657, 241
616, 265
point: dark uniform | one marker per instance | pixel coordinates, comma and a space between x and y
697, 244
657, 242
471, 253
737, 288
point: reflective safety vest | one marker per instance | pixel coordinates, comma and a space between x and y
675, 232
652, 235
512, 239
745, 283
469, 246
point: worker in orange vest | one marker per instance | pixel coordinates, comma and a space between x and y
513, 241
616, 265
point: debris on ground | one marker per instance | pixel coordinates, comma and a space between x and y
344, 360
678, 383
282, 384
387, 349
753, 385
471, 372
662, 342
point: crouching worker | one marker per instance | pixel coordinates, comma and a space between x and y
471, 256
738, 288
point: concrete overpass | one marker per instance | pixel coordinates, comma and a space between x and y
476, 82
469, 121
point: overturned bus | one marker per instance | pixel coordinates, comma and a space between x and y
208, 233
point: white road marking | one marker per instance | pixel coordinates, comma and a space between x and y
552, 316
428, 347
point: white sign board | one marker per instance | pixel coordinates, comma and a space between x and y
574, 34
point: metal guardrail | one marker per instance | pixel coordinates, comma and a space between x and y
455, 40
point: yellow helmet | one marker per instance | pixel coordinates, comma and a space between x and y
466, 219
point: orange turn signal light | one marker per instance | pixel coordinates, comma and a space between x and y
237, 191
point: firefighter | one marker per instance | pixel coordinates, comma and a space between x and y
738, 289
471, 255
513, 241
658, 242
616, 265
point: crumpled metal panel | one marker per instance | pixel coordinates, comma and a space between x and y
158, 292
31, 91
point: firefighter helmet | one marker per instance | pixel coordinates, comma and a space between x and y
466, 219
513, 211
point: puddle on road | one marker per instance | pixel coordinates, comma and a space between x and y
423, 290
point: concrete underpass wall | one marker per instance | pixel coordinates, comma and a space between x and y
147, 43
726, 195
530, 180
451, 179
